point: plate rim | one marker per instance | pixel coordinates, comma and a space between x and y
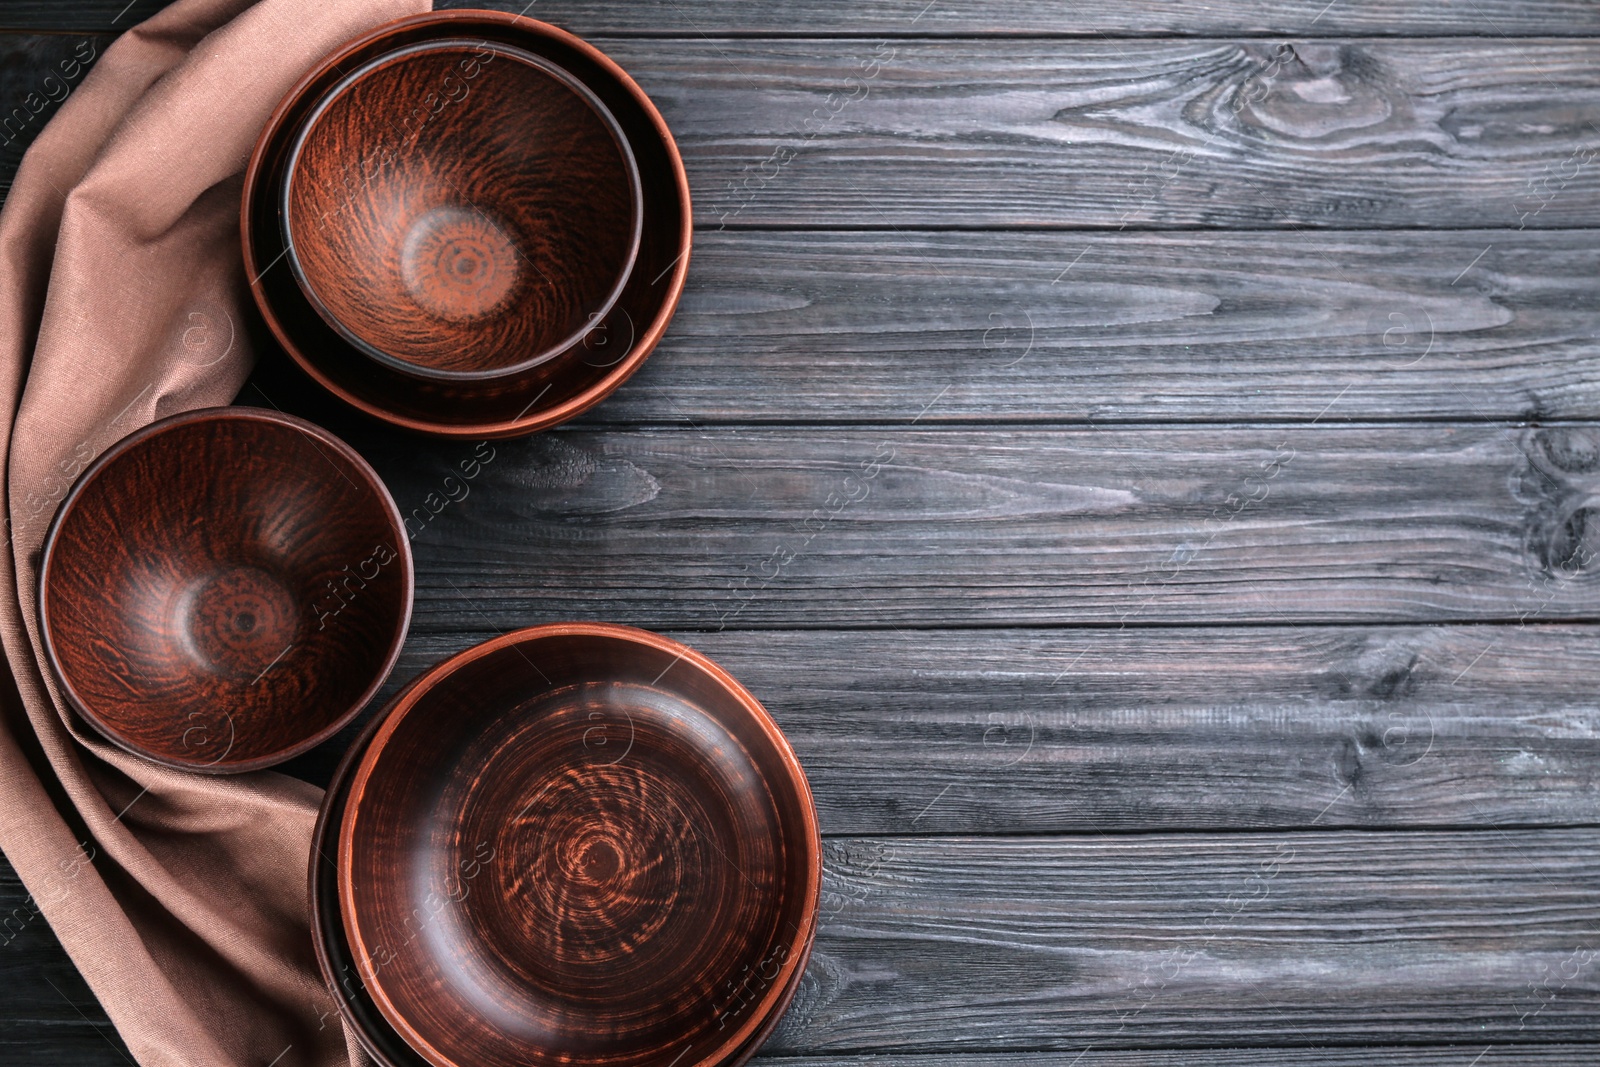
782, 988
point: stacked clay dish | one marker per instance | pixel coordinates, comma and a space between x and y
467, 224
575, 844
578, 844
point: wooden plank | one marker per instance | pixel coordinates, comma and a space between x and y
1487, 18
37, 73
1116, 135
50, 1015
793, 528
1366, 1056
784, 327
1343, 134
1028, 731
37, 1046
82, 16
950, 944
1491, 18
787, 327
1232, 941
29, 1042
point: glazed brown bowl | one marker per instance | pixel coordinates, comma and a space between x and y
472, 237
344, 979
578, 844
504, 405
224, 589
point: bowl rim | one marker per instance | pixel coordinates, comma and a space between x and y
335, 796
532, 419
552, 70
321, 864
799, 945
222, 413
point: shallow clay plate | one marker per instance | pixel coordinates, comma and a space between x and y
354, 1003
578, 844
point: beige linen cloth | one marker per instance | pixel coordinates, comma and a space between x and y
182, 898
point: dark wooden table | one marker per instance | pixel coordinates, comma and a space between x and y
1147, 456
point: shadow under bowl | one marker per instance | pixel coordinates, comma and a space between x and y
224, 589
506, 405
344, 979
461, 208
578, 844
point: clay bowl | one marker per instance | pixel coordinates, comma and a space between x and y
578, 844
355, 1005
474, 237
505, 405
224, 589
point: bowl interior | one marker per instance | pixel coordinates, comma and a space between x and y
462, 208
580, 848
224, 590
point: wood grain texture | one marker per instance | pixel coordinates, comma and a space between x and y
1123, 707
1494, 18
1030, 732
1138, 134
763, 528
1113, 135
50, 1016
936, 327
1489, 18
1222, 940
1061, 943
1262, 134
37, 72
1367, 1056
25, 1043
